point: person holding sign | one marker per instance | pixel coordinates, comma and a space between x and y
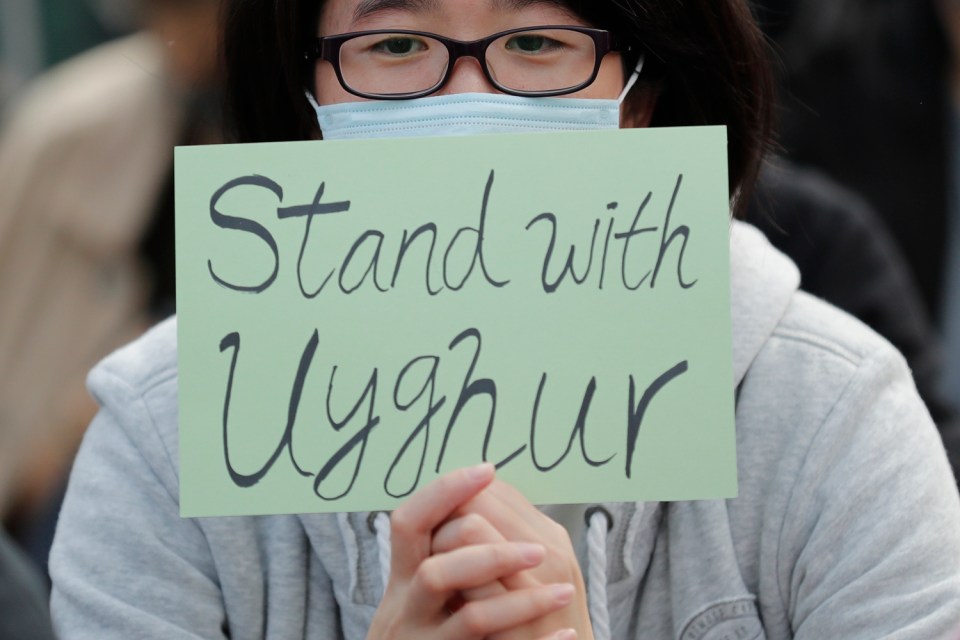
846, 522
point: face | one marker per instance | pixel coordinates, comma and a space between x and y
461, 20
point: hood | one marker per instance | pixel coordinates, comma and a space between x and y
762, 284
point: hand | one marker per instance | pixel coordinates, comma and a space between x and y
502, 514
415, 604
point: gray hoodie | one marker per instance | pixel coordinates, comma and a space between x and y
847, 524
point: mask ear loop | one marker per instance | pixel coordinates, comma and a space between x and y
633, 79
311, 99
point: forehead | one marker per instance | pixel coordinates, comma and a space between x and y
355, 14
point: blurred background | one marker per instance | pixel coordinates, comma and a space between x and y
38, 34
94, 95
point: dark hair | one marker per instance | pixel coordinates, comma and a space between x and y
706, 59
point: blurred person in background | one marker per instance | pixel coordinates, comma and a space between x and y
865, 99
86, 233
6, 83
868, 99
849, 70
37, 34
847, 256
950, 14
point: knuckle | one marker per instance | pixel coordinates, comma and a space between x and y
557, 530
429, 577
400, 523
444, 541
556, 551
472, 529
561, 541
473, 620
561, 563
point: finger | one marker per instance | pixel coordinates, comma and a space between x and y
509, 511
413, 522
512, 522
495, 615
521, 509
507, 523
468, 530
510, 493
439, 577
464, 531
473, 529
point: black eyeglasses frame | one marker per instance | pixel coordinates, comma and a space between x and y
328, 48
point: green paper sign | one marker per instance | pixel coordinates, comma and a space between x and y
358, 317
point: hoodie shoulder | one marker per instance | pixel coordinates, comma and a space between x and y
767, 306
144, 363
137, 388
831, 330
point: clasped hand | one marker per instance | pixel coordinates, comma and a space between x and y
473, 559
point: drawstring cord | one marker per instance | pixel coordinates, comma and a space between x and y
599, 522
381, 527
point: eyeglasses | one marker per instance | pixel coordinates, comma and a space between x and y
402, 64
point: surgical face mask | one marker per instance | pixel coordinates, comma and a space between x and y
468, 114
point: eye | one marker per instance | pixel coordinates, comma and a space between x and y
532, 43
400, 46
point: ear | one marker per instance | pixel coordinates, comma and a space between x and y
638, 109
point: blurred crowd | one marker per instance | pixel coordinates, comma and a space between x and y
95, 95
861, 191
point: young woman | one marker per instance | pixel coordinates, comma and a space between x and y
847, 524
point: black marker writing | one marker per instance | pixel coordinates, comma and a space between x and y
423, 427
361, 438
479, 232
232, 341
636, 411
313, 209
249, 226
682, 230
580, 269
578, 429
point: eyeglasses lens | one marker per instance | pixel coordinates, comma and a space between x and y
392, 64
542, 60
537, 60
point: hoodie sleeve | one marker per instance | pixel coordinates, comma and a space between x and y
870, 545
124, 564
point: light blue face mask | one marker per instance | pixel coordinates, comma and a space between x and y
468, 114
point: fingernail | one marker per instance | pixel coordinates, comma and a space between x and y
562, 593
566, 634
531, 553
480, 472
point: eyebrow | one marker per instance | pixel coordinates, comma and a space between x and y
369, 7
